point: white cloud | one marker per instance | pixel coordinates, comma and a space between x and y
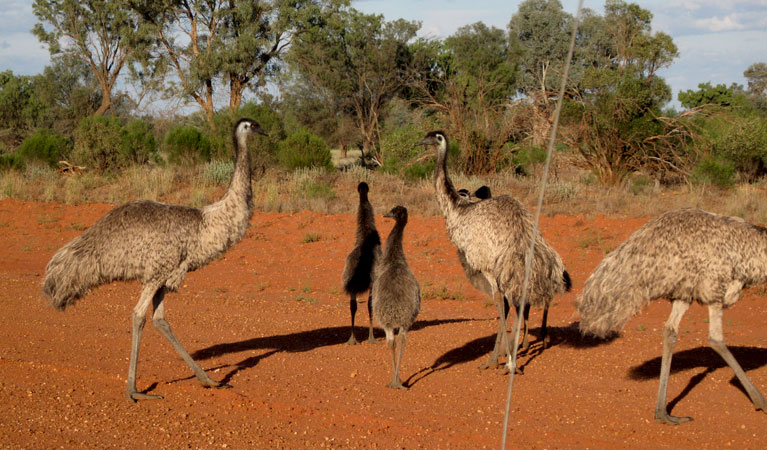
716, 24
22, 53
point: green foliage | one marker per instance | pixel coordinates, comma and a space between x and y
527, 157
741, 140
186, 145
303, 149
97, 143
400, 150
218, 172
706, 94
44, 146
138, 144
20, 108
714, 170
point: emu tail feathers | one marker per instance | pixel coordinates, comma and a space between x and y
609, 299
69, 275
362, 276
568, 281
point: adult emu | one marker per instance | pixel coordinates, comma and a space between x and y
360, 264
494, 236
686, 256
156, 244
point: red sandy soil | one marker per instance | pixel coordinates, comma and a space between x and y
269, 318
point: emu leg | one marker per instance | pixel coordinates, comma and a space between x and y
500, 338
371, 338
353, 309
525, 344
139, 319
511, 364
544, 332
716, 341
162, 325
670, 331
399, 346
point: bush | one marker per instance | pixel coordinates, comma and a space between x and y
97, 143
186, 145
262, 149
400, 149
714, 170
526, 158
45, 147
138, 145
303, 149
744, 142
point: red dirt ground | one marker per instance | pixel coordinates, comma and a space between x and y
269, 319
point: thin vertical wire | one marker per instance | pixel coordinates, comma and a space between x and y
529, 256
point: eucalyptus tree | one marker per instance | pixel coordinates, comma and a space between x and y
100, 33
358, 62
200, 46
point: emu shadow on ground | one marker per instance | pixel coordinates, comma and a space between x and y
749, 358
301, 341
476, 348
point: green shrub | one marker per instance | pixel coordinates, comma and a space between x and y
138, 145
262, 149
714, 170
303, 149
43, 146
744, 142
526, 158
218, 172
400, 149
186, 145
97, 143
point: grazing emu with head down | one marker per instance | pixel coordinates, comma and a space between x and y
360, 264
156, 244
494, 236
686, 256
396, 294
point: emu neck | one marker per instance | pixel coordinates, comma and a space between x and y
446, 194
365, 219
240, 187
393, 249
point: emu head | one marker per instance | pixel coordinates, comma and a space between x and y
437, 138
248, 127
483, 193
363, 188
398, 213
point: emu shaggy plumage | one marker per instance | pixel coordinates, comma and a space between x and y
494, 236
155, 244
686, 256
396, 294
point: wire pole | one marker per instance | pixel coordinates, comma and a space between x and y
529, 256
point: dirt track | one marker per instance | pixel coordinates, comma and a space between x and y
269, 319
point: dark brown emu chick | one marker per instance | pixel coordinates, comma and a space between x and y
156, 244
396, 294
360, 264
686, 256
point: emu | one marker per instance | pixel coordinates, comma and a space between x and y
483, 285
396, 294
686, 256
493, 235
360, 264
156, 244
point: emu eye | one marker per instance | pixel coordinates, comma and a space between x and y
439, 138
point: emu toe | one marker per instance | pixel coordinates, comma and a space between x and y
136, 396
352, 340
668, 419
396, 385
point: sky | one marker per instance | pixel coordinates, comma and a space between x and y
717, 39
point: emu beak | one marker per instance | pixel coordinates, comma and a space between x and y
389, 215
427, 141
260, 131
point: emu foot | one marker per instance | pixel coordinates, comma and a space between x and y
546, 342
352, 340
507, 370
214, 384
492, 363
396, 385
136, 396
668, 419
